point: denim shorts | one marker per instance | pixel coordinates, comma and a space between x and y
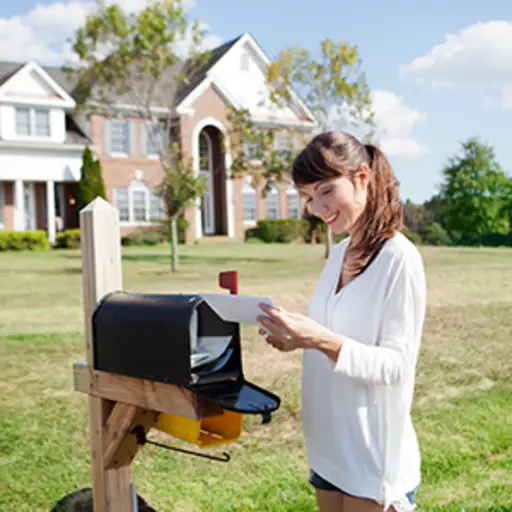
323, 485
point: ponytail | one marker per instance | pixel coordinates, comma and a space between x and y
382, 217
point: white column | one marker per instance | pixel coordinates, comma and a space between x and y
229, 197
50, 210
19, 206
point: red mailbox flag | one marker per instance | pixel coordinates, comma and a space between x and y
229, 281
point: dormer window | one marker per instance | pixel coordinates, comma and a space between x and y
32, 122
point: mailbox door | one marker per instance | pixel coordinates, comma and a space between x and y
239, 396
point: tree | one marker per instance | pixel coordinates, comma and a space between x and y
136, 57
91, 183
474, 192
254, 152
332, 85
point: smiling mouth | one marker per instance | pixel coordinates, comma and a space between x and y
332, 218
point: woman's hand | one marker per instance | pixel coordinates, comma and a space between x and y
289, 331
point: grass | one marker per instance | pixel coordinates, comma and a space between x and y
462, 407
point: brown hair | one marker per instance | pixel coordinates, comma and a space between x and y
333, 154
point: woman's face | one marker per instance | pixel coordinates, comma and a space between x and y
338, 201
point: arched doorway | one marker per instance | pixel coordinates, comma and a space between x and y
212, 166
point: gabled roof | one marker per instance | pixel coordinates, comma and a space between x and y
198, 76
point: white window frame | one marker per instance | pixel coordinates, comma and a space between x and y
292, 192
2, 206
283, 143
32, 126
149, 142
274, 195
113, 151
249, 192
149, 195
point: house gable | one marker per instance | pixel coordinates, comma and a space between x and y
31, 84
240, 77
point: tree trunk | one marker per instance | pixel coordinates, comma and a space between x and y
173, 240
328, 241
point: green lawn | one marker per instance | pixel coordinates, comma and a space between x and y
463, 397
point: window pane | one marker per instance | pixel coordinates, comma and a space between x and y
249, 199
272, 205
156, 208
154, 133
119, 136
293, 206
23, 121
121, 203
42, 123
139, 205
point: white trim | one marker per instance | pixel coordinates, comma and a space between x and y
210, 209
292, 191
274, 194
50, 211
66, 102
249, 190
29, 188
136, 185
39, 144
2, 206
210, 79
211, 121
19, 206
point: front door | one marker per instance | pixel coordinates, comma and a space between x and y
205, 169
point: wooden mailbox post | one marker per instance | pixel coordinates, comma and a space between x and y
116, 403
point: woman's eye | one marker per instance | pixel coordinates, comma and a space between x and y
327, 191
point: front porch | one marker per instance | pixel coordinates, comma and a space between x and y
36, 205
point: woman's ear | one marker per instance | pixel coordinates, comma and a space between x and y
363, 176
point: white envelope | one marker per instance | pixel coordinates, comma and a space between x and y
236, 308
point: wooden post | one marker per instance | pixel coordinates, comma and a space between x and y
101, 274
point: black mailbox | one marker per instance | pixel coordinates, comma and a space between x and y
177, 339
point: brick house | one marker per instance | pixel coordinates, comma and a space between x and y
42, 138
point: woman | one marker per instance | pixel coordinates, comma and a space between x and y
362, 335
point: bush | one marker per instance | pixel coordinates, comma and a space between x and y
435, 234
412, 236
281, 230
23, 241
69, 239
155, 235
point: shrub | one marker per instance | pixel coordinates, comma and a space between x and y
281, 230
69, 239
155, 235
435, 234
23, 241
415, 238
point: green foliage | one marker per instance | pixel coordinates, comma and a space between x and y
474, 192
254, 153
435, 234
69, 239
179, 187
91, 184
330, 82
23, 240
414, 237
281, 230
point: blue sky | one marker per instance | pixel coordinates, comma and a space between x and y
427, 99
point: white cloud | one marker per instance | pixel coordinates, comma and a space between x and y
477, 57
42, 32
395, 123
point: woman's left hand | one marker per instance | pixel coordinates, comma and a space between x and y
289, 331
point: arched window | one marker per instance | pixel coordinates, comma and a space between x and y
293, 203
249, 200
272, 202
204, 152
138, 204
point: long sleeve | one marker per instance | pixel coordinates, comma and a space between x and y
389, 361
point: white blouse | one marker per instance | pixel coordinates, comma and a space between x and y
356, 411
